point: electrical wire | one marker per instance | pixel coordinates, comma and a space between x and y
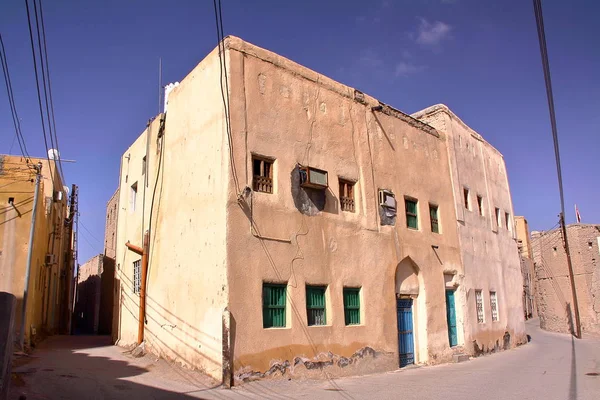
45, 60
537, 5
11, 101
90, 233
37, 84
224, 84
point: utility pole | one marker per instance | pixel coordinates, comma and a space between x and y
38, 176
539, 19
577, 332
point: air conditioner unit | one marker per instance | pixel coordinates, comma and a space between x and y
313, 178
58, 195
50, 259
387, 199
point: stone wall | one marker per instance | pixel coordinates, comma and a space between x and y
553, 288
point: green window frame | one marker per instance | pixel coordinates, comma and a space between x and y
274, 304
315, 305
433, 216
352, 306
412, 218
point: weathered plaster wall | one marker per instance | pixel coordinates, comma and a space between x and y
187, 291
282, 110
523, 239
554, 296
489, 252
87, 302
18, 181
110, 230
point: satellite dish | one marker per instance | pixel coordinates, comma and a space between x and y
53, 154
66, 189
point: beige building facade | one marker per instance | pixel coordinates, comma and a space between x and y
527, 266
49, 250
492, 283
313, 232
553, 289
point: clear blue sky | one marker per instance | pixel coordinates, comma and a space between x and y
481, 58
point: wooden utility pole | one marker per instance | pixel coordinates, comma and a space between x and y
539, 19
577, 327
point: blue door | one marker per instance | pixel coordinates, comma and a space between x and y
406, 347
451, 318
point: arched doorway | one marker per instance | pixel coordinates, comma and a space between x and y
409, 310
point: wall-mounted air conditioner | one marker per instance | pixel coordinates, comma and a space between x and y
387, 199
58, 195
313, 178
50, 259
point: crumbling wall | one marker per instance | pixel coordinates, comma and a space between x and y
363, 361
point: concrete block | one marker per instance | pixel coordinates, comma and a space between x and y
460, 358
8, 303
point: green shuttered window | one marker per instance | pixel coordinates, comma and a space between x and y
433, 215
315, 305
274, 301
411, 213
352, 306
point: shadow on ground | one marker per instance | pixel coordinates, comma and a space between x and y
71, 367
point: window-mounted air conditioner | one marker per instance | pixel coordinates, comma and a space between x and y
50, 259
387, 199
313, 178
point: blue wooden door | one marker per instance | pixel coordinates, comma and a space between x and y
406, 347
451, 318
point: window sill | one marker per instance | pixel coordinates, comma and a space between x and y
276, 328
353, 325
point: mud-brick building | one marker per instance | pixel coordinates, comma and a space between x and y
306, 227
553, 288
48, 300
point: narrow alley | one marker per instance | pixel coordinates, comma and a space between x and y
551, 366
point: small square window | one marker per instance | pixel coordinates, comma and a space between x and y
346, 195
352, 306
480, 204
498, 221
315, 305
144, 165
262, 169
433, 216
274, 304
479, 305
466, 198
412, 218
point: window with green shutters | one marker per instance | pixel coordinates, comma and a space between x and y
411, 213
274, 302
433, 216
315, 305
352, 306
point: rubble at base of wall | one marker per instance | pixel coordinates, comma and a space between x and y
363, 361
505, 342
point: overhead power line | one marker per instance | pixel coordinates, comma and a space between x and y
11, 102
45, 101
539, 19
44, 57
37, 84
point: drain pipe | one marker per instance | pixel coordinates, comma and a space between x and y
142, 311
